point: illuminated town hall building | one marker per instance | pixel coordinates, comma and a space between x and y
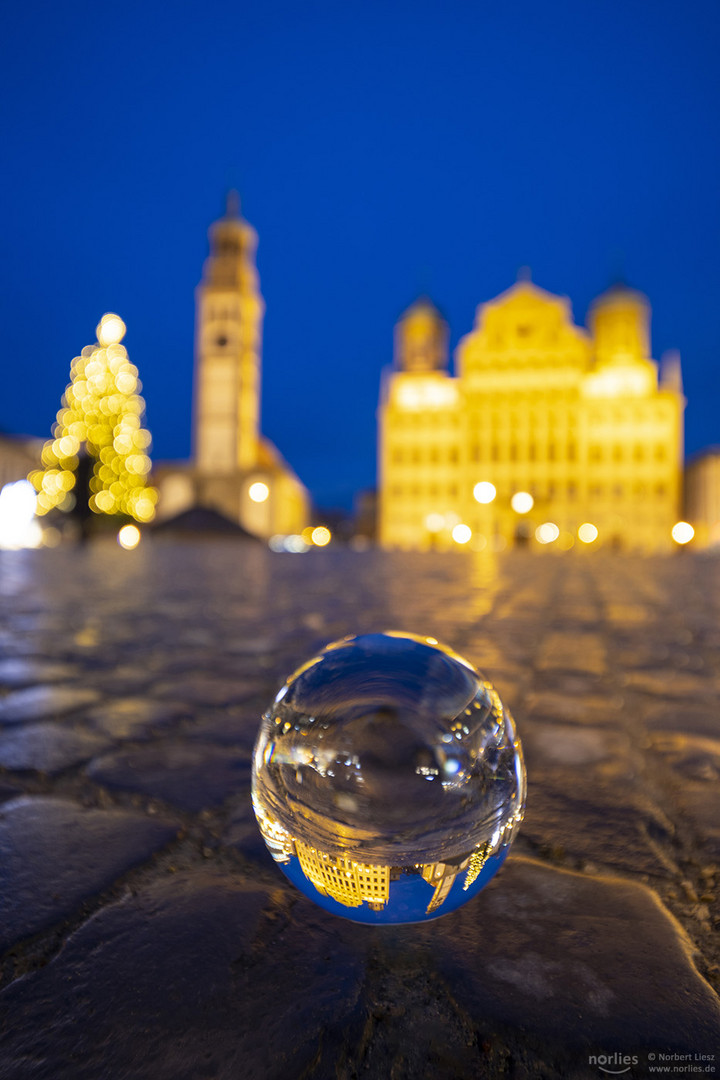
548, 434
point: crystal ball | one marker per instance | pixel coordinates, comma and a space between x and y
388, 779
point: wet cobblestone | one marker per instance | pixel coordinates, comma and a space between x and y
147, 932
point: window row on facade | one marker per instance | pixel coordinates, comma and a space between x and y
595, 452
549, 490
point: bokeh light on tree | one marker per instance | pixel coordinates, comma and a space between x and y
101, 417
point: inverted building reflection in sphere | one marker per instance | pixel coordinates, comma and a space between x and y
388, 779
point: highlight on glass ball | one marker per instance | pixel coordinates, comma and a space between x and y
388, 779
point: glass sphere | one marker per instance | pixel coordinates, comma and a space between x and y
388, 780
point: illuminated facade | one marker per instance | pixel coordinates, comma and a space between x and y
575, 420
702, 497
235, 469
349, 882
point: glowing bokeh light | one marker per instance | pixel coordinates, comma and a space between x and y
321, 536
682, 532
434, 522
111, 329
587, 533
259, 491
18, 529
522, 502
129, 537
484, 492
295, 544
461, 533
547, 533
100, 419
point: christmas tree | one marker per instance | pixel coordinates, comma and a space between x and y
99, 450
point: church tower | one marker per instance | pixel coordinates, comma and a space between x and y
229, 313
234, 468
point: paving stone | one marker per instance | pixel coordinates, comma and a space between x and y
696, 761
206, 691
668, 682
124, 679
229, 727
243, 834
566, 744
44, 702
191, 776
54, 855
48, 747
696, 718
134, 718
586, 708
610, 822
566, 651
17, 671
195, 976
593, 964
9, 791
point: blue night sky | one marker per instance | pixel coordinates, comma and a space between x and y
381, 150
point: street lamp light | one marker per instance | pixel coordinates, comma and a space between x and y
522, 502
484, 492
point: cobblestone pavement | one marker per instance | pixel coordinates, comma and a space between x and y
147, 934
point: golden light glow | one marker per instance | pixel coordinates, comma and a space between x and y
259, 491
484, 492
547, 533
18, 526
588, 533
537, 406
111, 329
427, 392
522, 502
682, 532
321, 536
129, 537
100, 417
435, 522
462, 533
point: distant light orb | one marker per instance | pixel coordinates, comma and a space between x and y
434, 522
18, 503
547, 533
259, 492
682, 532
522, 502
484, 492
321, 536
295, 544
129, 537
587, 533
111, 329
461, 533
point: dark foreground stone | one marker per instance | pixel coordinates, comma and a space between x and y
54, 855
196, 976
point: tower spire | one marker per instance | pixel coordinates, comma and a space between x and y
232, 204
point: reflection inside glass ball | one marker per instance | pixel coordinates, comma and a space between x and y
388, 780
